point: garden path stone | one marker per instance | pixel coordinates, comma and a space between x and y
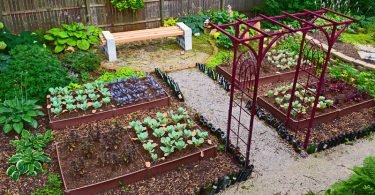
278, 169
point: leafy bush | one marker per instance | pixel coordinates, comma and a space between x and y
52, 188
170, 22
223, 57
224, 41
81, 61
224, 17
29, 154
16, 112
364, 80
360, 182
195, 22
122, 73
128, 4
74, 35
4, 61
33, 68
275, 7
9, 41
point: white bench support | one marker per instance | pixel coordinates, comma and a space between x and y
186, 41
110, 47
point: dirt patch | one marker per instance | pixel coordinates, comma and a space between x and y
165, 54
345, 48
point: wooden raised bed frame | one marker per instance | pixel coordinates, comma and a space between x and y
68, 122
262, 80
137, 175
319, 118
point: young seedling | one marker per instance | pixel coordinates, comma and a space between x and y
176, 135
180, 144
180, 127
197, 142
167, 141
190, 123
71, 107
142, 136
201, 134
106, 100
170, 128
158, 132
167, 150
133, 124
278, 100
56, 110
187, 133
149, 146
139, 129
154, 156
97, 104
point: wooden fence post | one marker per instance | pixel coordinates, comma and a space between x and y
161, 12
222, 4
88, 11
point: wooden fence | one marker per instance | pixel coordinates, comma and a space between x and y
31, 15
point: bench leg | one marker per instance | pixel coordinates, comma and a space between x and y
185, 41
110, 47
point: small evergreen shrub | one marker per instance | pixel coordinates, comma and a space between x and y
35, 70
81, 61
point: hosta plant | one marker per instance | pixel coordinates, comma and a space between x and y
28, 162
73, 35
15, 113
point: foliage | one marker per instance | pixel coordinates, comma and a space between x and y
8, 41
122, 73
33, 68
360, 38
81, 61
364, 80
195, 22
275, 7
224, 17
15, 113
29, 156
224, 41
91, 95
35, 141
170, 129
128, 4
360, 182
222, 57
53, 186
4, 61
170, 22
74, 35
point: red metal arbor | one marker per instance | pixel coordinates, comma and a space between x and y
247, 66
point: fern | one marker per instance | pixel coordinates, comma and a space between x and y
362, 180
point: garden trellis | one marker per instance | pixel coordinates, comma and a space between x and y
247, 66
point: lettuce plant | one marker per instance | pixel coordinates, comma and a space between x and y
167, 150
142, 136
180, 127
180, 144
201, 134
149, 146
187, 133
197, 142
139, 129
167, 141
133, 124
176, 135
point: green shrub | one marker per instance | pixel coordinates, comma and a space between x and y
128, 4
4, 61
15, 113
223, 17
52, 188
33, 68
195, 22
362, 181
170, 22
29, 156
223, 57
81, 61
74, 35
122, 73
224, 41
8, 41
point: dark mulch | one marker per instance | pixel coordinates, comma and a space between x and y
345, 48
182, 181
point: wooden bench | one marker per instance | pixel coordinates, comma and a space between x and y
181, 31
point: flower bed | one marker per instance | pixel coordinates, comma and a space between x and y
338, 99
97, 101
101, 160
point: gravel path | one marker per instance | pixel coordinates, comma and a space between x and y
278, 169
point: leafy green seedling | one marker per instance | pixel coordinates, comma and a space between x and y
159, 132
167, 141
142, 136
167, 150
139, 129
180, 127
197, 142
201, 134
133, 124
187, 133
180, 144
154, 156
170, 128
149, 146
97, 104
176, 135
71, 107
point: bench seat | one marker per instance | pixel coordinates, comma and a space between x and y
181, 31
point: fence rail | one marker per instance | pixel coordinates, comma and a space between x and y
31, 15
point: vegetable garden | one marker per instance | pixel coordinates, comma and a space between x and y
78, 128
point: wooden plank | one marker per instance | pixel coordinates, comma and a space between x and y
150, 37
162, 33
172, 28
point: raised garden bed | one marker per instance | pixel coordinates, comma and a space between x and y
226, 71
346, 99
125, 97
101, 161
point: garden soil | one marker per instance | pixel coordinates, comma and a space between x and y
278, 169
